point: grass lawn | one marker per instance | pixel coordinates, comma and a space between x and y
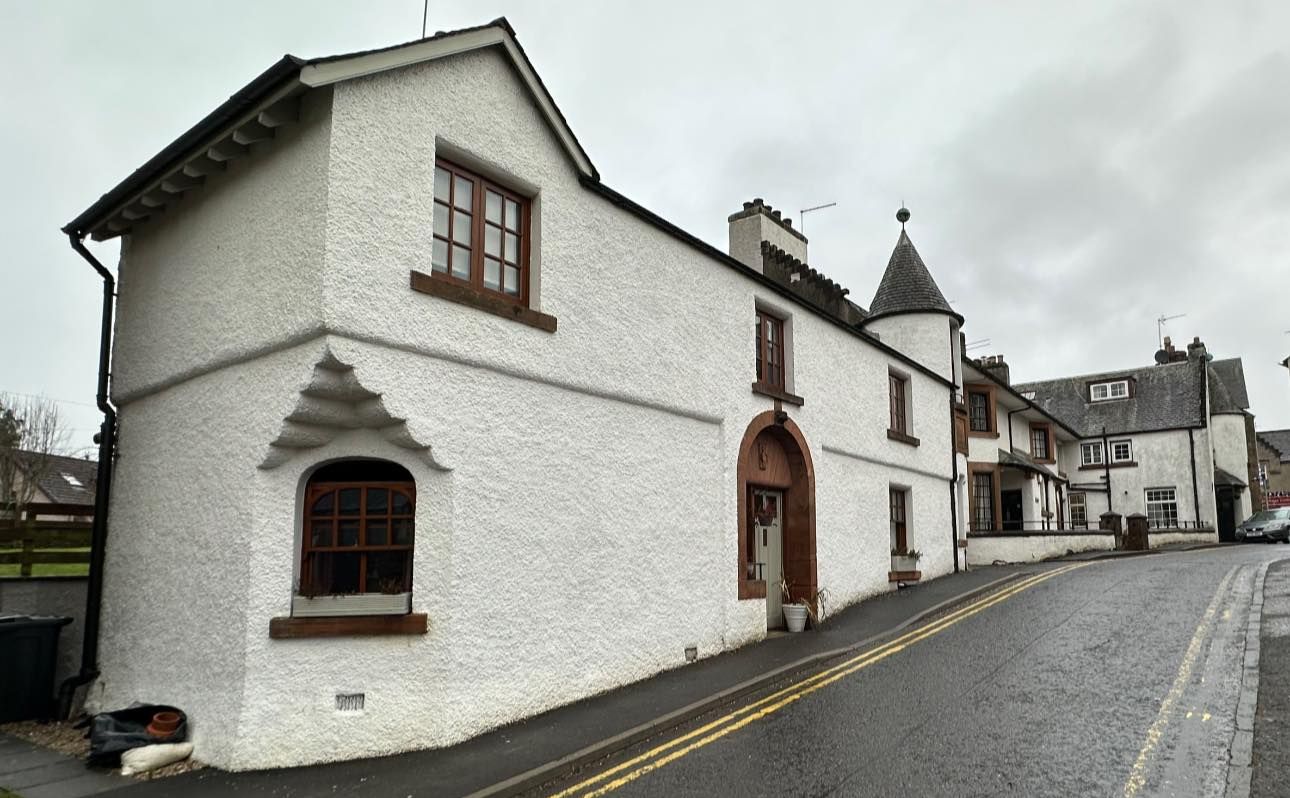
12, 570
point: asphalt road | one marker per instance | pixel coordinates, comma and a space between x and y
1118, 677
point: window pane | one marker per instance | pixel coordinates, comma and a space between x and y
465, 194
492, 273
493, 207
442, 181
512, 248
403, 532
512, 214
402, 504
320, 534
378, 533
439, 256
349, 500
378, 501
323, 504
386, 572
335, 572
461, 227
492, 241
441, 213
348, 534
512, 281
461, 262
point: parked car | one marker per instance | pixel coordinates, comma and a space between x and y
1267, 526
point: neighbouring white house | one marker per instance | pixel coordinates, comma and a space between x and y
1173, 441
424, 429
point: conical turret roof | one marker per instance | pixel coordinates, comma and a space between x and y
907, 286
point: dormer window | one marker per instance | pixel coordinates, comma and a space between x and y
1102, 391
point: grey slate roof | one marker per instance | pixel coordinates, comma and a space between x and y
1278, 439
1019, 459
1232, 373
53, 481
1222, 477
907, 286
1167, 397
1220, 398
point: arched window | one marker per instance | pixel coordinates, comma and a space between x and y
358, 529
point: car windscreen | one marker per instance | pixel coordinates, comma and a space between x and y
1280, 514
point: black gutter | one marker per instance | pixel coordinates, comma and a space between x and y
1195, 491
102, 491
648, 216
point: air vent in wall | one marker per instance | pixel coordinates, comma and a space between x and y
350, 702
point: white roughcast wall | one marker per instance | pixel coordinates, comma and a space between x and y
587, 486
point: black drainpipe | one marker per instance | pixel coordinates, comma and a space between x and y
954, 460
1195, 491
1010, 412
102, 490
1106, 469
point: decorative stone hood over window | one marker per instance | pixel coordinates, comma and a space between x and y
335, 402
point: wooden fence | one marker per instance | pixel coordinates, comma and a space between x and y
46, 534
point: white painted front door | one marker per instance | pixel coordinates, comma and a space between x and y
768, 525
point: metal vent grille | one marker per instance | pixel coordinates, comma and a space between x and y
350, 702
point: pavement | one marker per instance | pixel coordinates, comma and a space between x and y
35, 772
515, 758
1270, 759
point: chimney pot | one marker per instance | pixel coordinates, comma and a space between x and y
748, 206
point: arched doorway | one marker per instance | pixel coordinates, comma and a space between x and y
776, 513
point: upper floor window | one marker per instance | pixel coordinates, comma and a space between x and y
979, 419
898, 389
1121, 451
1090, 453
770, 350
481, 233
1040, 445
1102, 391
358, 530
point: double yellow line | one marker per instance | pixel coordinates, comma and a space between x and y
687, 743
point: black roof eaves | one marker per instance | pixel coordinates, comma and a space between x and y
1029, 404
648, 216
173, 154
910, 311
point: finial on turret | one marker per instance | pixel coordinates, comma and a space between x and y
902, 216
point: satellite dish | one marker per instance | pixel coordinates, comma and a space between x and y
1162, 357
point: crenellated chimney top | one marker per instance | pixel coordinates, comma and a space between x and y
757, 223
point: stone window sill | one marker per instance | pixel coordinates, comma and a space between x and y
979, 434
777, 393
904, 576
465, 295
1100, 466
897, 435
283, 628
752, 589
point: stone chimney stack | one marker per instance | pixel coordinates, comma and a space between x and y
1196, 350
995, 367
759, 222
1172, 355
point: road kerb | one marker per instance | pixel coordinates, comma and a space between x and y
1240, 759
611, 745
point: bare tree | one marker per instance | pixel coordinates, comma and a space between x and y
31, 429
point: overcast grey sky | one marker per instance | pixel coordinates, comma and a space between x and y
1074, 169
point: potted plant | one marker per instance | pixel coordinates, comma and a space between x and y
391, 600
904, 561
797, 612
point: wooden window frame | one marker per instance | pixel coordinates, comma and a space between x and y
991, 409
1083, 508
479, 225
770, 374
1112, 459
1108, 385
995, 472
898, 402
898, 504
1089, 463
316, 490
1159, 503
1050, 455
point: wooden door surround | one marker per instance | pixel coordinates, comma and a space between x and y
774, 454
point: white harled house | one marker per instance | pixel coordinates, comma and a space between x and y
414, 407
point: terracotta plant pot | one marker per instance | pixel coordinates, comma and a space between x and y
163, 724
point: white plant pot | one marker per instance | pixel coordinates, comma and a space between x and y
900, 563
795, 617
350, 605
